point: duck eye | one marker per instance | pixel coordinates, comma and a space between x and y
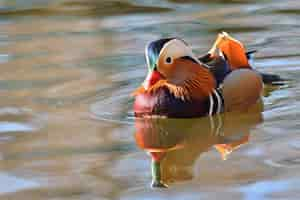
169, 60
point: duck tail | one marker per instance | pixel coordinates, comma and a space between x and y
272, 79
249, 54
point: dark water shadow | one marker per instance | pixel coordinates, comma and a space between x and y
217, 1
286, 11
82, 8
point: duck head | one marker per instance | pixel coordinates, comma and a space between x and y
172, 64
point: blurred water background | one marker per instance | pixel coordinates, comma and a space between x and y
68, 67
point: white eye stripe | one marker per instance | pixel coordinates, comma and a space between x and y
175, 49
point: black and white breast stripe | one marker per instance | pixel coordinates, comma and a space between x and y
216, 102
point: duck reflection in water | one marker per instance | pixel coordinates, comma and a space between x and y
175, 144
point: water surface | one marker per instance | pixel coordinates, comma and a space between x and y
66, 125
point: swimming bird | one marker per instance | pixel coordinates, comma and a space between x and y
181, 85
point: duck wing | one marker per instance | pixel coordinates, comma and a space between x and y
218, 66
242, 89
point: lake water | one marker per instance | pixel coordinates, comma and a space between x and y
66, 125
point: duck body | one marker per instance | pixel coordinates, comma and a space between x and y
232, 97
164, 103
188, 86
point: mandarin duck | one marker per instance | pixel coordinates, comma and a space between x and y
181, 85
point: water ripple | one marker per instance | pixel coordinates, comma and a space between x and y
11, 183
15, 127
13, 119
